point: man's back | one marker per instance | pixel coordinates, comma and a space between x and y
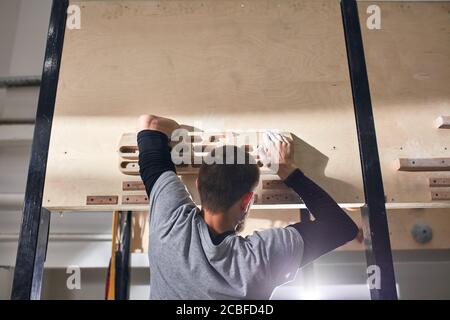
197, 255
185, 263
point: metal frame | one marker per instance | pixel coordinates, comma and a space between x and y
33, 238
29, 246
41, 254
378, 246
122, 283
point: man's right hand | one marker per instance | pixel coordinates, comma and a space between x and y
152, 122
280, 149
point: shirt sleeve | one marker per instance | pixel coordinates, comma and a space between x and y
168, 199
281, 250
168, 195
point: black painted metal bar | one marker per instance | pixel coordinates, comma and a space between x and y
123, 258
41, 254
378, 247
31, 216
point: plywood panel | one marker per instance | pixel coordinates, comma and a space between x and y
215, 65
408, 63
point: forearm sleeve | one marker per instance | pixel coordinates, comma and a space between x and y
331, 228
154, 157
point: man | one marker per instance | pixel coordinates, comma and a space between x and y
196, 254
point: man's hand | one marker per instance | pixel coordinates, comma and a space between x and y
152, 122
279, 149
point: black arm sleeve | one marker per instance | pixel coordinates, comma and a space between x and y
154, 157
331, 228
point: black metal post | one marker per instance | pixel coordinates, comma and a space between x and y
123, 258
41, 254
378, 247
31, 217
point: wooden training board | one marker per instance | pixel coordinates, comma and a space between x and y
408, 62
249, 65
216, 65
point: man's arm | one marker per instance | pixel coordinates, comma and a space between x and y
332, 227
154, 151
168, 195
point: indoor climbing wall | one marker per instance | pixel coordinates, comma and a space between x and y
226, 65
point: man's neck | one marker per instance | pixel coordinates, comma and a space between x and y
217, 222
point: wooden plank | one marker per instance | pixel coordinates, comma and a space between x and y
443, 122
101, 200
135, 199
133, 185
439, 182
440, 195
422, 164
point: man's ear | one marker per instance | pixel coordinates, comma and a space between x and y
246, 200
196, 183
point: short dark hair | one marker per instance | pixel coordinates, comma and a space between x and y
222, 183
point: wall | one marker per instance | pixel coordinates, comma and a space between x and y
23, 24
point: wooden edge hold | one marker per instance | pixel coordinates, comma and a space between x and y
440, 195
278, 197
102, 200
132, 185
135, 199
439, 182
422, 164
274, 184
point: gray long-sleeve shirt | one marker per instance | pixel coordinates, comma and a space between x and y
185, 264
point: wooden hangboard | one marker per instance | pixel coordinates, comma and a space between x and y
408, 63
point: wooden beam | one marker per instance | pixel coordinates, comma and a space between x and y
443, 122
418, 164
